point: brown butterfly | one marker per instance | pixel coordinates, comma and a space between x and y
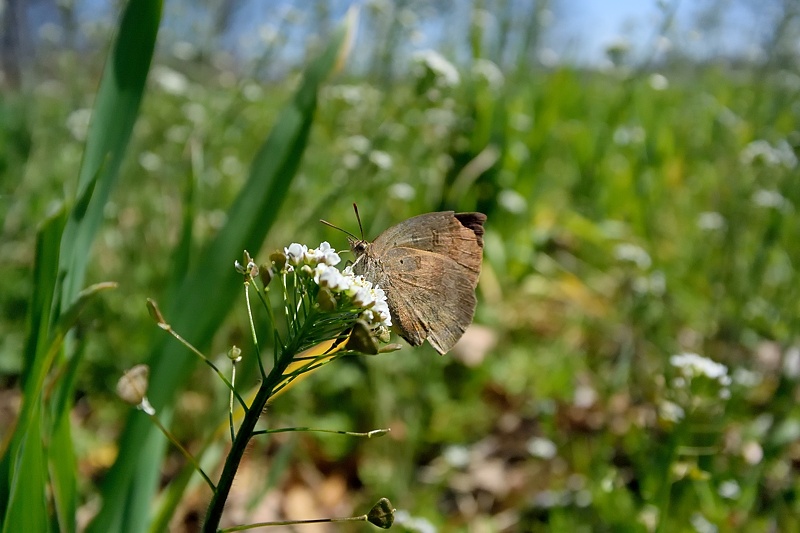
429, 267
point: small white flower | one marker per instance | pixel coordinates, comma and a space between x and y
327, 276
381, 308
328, 255
295, 253
363, 297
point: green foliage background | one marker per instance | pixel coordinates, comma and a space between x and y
634, 213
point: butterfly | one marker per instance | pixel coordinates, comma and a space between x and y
428, 266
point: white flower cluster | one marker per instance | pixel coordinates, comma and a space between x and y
299, 255
320, 263
692, 365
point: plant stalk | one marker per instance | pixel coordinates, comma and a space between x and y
243, 436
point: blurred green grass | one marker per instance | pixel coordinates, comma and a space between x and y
629, 219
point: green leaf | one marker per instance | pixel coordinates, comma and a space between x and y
204, 298
45, 272
63, 472
115, 112
27, 506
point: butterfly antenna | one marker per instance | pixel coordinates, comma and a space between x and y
360, 227
340, 229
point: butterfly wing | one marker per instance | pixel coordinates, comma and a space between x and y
441, 232
429, 266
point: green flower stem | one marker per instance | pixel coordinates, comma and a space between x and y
369, 434
246, 429
183, 450
362, 518
239, 445
230, 401
253, 328
166, 327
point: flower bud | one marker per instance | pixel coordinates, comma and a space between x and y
390, 348
361, 339
235, 354
326, 300
381, 514
267, 273
155, 313
279, 258
132, 386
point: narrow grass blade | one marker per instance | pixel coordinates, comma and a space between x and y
16, 489
27, 506
115, 112
63, 473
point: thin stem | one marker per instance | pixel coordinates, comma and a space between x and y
362, 518
239, 445
253, 328
166, 327
262, 296
183, 450
369, 434
285, 300
230, 400
245, 433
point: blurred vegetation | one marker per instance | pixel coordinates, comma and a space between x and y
637, 209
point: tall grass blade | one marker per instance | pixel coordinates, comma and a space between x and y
22, 474
116, 109
27, 506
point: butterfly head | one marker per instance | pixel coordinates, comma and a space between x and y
358, 246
